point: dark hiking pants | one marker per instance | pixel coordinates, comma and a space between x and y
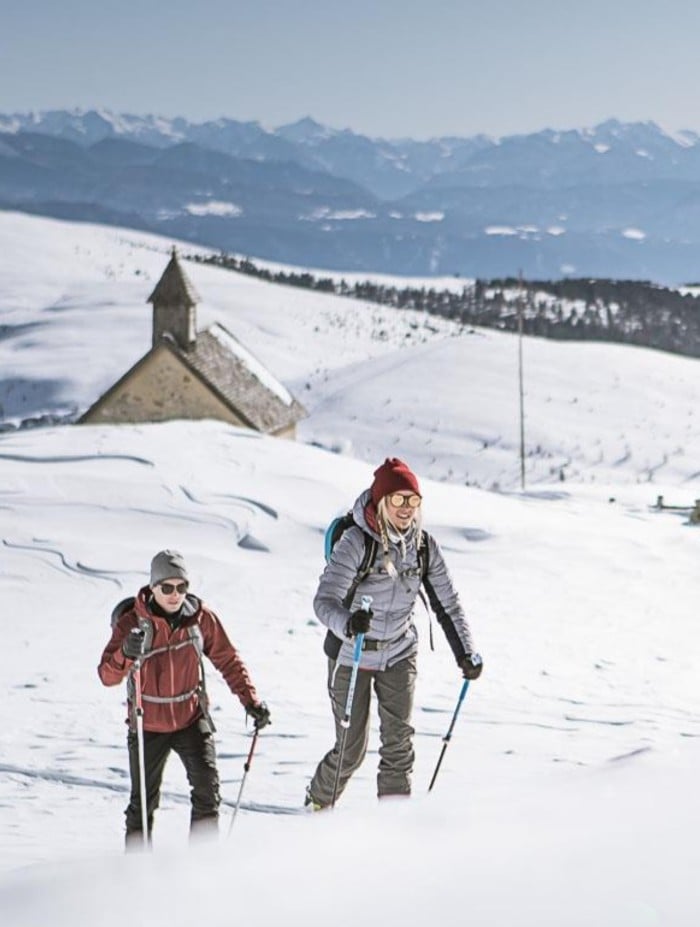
195, 747
394, 688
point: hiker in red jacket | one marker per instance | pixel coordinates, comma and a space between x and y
167, 629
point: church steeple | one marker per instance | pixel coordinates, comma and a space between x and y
174, 302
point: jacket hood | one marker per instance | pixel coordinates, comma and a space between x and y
365, 514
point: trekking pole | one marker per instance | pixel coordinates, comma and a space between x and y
448, 736
246, 767
138, 704
365, 604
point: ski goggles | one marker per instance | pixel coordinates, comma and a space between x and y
398, 500
169, 588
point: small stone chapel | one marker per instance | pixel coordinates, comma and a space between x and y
195, 375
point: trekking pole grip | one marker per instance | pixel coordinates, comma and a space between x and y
365, 605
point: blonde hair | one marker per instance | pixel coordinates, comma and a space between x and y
383, 523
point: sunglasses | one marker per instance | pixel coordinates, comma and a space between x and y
169, 588
398, 500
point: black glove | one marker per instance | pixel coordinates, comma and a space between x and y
260, 714
358, 622
132, 645
471, 665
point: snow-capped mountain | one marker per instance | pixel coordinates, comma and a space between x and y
616, 200
387, 168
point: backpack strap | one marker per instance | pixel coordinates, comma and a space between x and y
332, 643
364, 569
368, 558
424, 565
196, 640
424, 555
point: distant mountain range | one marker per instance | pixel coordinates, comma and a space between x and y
620, 200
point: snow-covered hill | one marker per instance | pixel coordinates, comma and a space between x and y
574, 760
74, 317
567, 795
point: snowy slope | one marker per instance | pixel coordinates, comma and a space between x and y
567, 794
577, 746
73, 300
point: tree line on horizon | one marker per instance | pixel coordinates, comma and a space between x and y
623, 311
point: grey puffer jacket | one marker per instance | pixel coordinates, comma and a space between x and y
393, 598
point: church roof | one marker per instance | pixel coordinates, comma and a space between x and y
220, 362
242, 382
174, 288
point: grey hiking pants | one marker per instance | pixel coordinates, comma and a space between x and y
394, 688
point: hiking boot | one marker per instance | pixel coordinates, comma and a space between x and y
310, 803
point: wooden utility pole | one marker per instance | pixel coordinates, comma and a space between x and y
520, 381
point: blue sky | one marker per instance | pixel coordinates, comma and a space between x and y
386, 68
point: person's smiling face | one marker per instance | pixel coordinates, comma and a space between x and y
402, 508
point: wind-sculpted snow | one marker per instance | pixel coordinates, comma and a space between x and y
57, 555
248, 505
180, 798
574, 759
67, 458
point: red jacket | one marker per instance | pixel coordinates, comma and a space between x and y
175, 671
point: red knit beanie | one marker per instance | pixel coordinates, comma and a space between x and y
393, 476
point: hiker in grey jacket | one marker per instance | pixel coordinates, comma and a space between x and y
389, 513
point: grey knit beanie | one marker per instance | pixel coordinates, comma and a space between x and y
167, 564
